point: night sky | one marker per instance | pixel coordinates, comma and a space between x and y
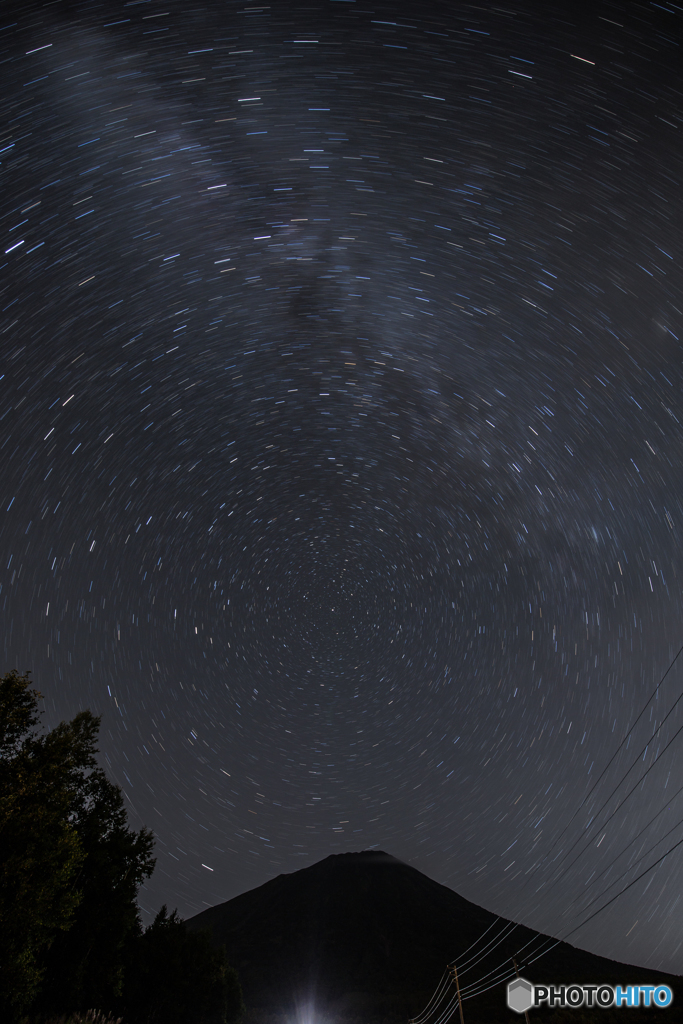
341, 436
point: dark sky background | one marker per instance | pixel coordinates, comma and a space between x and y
341, 436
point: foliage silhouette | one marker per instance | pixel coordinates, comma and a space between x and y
84, 965
176, 976
70, 869
41, 850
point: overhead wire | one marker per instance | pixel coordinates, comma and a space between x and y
441, 986
500, 974
542, 952
477, 941
512, 973
446, 974
627, 870
474, 988
507, 929
625, 889
469, 990
449, 1011
589, 918
504, 974
616, 752
639, 834
630, 792
508, 926
472, 962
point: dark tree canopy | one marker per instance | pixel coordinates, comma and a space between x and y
70, 867
84, 965
41, 850
178, 977
70, 870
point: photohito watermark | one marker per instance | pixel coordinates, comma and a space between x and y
523, 996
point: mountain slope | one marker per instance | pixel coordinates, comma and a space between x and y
365, 932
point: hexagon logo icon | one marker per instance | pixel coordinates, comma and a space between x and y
520, 995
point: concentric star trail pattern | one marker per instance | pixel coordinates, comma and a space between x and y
341, 436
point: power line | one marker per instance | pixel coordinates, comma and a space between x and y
448, 1012
510, 974
611, 760
626, 887
630, 792
477, 941
482, 954
631, 866
473, 989
441, 989
499, 975
427, 1010
442, 985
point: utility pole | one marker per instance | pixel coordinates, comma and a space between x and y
457, 985
526, 1012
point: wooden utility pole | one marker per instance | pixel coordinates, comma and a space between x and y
457, 985
526, 1012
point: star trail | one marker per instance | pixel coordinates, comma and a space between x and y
341, 440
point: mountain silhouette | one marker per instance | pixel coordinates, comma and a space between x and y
366, 936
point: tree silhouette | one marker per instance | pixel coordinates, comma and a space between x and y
71, 939
41, 850
84, 965
176, 976
70, 867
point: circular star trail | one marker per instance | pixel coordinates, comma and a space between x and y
341, 435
